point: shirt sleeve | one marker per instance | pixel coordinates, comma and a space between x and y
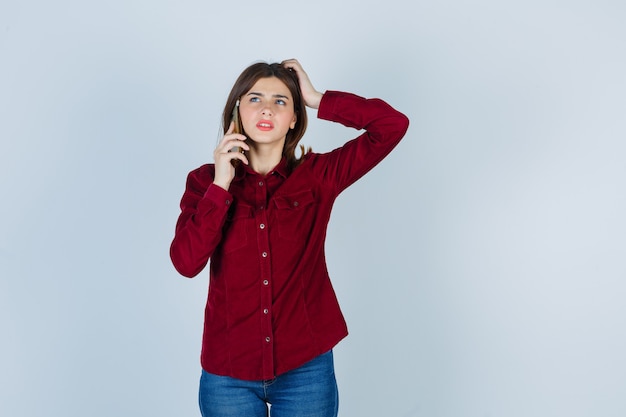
384, 128
204, 208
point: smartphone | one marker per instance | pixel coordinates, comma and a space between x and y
238, 129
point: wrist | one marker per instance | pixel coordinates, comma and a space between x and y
224, 185
315, 100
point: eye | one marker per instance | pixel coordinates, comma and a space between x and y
254, 99
281, 102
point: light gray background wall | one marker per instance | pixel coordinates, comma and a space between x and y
480, 267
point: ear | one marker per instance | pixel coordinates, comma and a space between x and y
293, 122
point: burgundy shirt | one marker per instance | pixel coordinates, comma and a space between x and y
271, 306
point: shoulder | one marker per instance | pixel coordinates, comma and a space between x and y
206, 171
308, 160
201, 177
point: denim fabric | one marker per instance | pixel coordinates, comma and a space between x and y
307, 391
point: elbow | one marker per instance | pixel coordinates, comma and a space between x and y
397, 128
187, 272
183, 263
403, 124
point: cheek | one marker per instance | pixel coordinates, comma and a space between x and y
246, 116
244, 112
289, 118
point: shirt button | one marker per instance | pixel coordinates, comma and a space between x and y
265, 311
262, 226
261, 207
228, 202
264, 254
296, 204
267, 339
265, 282
260, 183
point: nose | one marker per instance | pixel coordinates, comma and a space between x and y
267, 110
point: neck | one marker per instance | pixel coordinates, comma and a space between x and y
264, 158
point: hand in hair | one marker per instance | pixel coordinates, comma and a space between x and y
311, 96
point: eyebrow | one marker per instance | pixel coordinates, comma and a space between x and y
253, 93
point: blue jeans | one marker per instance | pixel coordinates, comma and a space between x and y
307, 391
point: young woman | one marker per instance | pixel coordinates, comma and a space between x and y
260, 213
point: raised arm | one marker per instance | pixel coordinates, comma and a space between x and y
384, 128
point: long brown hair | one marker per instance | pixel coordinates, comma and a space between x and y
246, 81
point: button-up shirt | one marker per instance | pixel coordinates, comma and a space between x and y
271, 306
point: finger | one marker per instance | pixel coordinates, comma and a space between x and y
242, 158
224, 163
229, 138
303, 77
229, 143
231, 128
230, 156
292, 64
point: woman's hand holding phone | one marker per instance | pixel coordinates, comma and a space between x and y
225, 153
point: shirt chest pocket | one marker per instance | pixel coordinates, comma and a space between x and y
294, 215
239, 223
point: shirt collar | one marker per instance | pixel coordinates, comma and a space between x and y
243, 170
281, 168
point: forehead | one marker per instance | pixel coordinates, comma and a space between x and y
270, 86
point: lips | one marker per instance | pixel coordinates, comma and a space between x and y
265, 125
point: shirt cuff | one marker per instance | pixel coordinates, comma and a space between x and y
346, 108
218, 197
327, 105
